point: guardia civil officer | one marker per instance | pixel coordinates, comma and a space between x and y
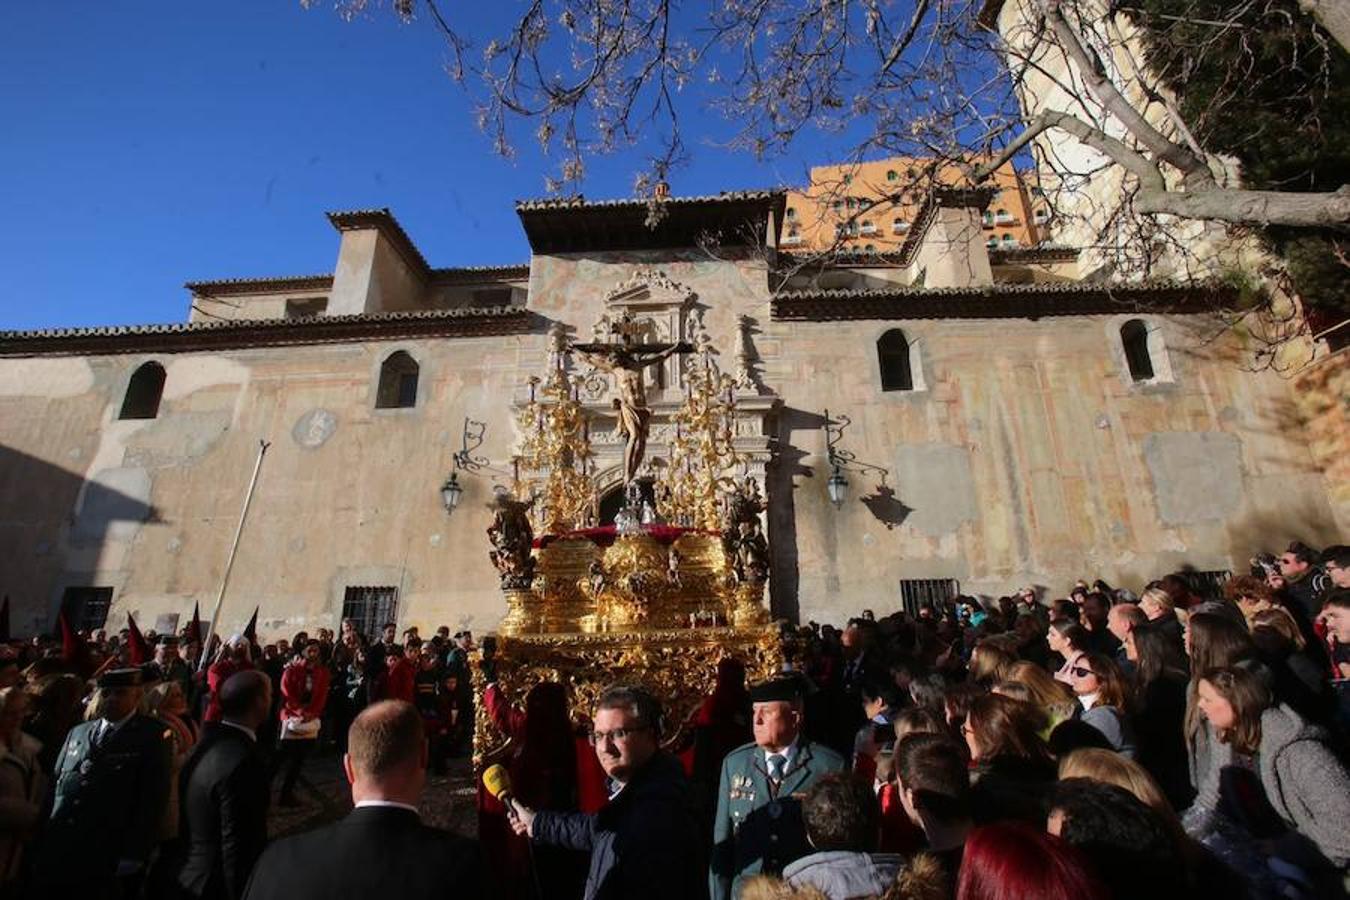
759, 826
112, 785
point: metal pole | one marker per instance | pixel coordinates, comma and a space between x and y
229, 563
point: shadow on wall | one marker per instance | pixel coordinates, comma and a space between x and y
781, 486
1270, 531
54, 525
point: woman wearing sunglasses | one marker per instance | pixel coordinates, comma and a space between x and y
1104, 693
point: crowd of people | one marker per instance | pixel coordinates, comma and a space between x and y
1100, 745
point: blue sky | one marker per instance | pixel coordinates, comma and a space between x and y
147, 144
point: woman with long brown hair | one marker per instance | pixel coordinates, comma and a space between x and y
1269, 771
1104, 693
1161, 678
1012, 767
1212, 641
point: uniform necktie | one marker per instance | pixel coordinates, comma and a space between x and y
776, 761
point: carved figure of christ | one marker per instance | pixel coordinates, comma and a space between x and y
627, 365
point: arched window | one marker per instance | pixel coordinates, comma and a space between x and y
143, 393
398, 382
992, 243
987, 219
1009, 242
791, 213
1134, 338
893, 355
892, 175
900, 226
870, 248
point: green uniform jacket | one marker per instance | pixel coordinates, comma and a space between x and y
759, 828
109, 804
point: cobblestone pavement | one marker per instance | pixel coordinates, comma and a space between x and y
325, 796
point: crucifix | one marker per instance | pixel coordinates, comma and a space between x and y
626, 361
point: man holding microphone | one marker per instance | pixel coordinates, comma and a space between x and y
644, 842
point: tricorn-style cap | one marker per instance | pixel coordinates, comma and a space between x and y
116, 678
778, 690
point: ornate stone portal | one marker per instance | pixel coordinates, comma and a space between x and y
677, 586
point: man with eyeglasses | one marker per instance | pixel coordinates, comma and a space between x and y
759, 825
1304, 579
1336, 563
645, 841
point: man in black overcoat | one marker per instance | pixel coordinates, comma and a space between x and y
381, 849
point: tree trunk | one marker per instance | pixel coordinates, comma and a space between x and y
1333, 15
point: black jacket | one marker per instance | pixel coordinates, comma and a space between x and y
1159, 731
223, 823
376, 851
643, 844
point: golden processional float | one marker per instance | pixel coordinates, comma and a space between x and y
675, 584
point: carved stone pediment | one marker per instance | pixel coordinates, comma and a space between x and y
647, 290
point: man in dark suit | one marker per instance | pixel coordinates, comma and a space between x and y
644, 843
112, 786
759, 827
381, 849
224, 793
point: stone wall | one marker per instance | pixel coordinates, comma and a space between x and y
1027, 455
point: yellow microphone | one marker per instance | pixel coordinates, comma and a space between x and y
498, 783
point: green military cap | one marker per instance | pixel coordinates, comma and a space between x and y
117, 678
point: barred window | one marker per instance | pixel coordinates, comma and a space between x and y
916, 593
370, 608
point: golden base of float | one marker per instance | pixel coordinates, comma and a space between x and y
659, 609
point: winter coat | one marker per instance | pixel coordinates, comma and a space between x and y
1302, 778
22, 786
644, 843
1114, 726
843, 874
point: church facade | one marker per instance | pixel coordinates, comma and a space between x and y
999, 422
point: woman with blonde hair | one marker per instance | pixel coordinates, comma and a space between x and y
989, 662
166, 702
1109, 767
1054, 697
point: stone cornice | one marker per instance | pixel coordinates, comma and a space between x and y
282, 284
247, 333
998, 301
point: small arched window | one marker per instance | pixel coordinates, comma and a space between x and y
398, 382
144, 392
791, 213
900, 226
892, 175
987, 219
870, 248
1134, 338
1009, 242
893, 356
992, 243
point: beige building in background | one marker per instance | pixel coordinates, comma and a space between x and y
1033, 428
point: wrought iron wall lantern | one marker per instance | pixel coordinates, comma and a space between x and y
452, 491
841, 461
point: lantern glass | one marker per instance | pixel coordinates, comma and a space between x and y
451, 491
837, 487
